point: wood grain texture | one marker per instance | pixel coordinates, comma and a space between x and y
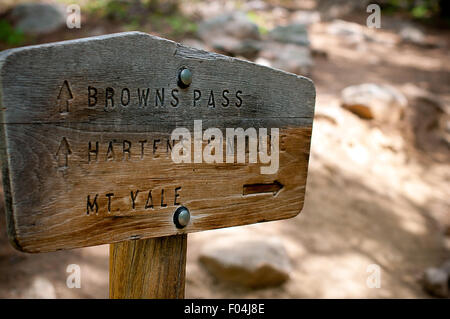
148, 268
77, 124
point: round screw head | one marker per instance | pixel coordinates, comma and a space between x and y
181, 217
185, 78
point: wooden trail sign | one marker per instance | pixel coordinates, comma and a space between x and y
86, 141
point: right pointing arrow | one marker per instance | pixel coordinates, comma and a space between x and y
274, 188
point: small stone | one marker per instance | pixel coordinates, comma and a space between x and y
38, 18
373, 101
436, 282
248, 263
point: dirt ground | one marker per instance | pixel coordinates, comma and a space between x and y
376, 194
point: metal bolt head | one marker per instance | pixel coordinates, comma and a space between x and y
184, 78
181, 217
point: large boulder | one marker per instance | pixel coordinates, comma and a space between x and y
373, 101
38, 18
249, 263
233, 34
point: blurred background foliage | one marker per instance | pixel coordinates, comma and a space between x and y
157, 16
162, 14
418, 9
165, 16
10, 35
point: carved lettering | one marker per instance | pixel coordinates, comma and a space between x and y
91, 206
197, 96
92, 96
159, 97
227, 101
125, 97
143, 97
114, 201
109, 98
149, 201
130, 98
92, 151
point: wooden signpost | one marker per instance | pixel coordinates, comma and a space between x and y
87, 142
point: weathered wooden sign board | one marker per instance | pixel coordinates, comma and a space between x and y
86, 140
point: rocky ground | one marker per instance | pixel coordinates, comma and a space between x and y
378, 185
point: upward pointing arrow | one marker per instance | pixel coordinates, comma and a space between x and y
63, 152
64, 97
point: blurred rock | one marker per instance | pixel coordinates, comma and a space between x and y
279, 13
318, 53
446, 268
373, 101
236, 25
305, 17
293, 33
256, 5
41, 288
353, 33
38, 18
288, 57
338, 8
232, 34
97, 31
436, 282
236, 47
249, 263
428, 117
358, 35
414, 35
